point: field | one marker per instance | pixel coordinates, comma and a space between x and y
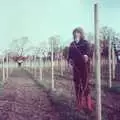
63, 97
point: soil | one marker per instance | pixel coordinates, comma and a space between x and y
25, 97
63, 97
22, 99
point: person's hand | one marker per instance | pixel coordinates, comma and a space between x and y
71, 62
86, 58
70, 65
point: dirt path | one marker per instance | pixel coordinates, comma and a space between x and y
21, 99
65, 100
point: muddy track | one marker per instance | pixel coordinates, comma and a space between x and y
22, 99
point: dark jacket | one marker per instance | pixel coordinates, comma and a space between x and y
77, 50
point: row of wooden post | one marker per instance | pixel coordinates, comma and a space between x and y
5, 69
32, 67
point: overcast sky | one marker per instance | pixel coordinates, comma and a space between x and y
40, 19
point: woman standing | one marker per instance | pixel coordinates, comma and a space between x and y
79, 58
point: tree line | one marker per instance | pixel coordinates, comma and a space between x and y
21, 47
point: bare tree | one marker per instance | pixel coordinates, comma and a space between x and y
20, 48
107, 35
107, 32
56, 41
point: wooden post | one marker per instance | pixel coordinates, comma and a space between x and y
52, 51
3, 69
40, 69
35, 67
113, 63
30, 64
24, 64
11, 67
97, 64
110, 72
57, 62
7, 69
61, 62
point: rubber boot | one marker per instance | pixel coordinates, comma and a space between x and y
89, 102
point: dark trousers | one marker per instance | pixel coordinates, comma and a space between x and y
82, 88
81, 80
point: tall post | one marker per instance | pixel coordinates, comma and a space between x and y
12, 65
110, 72
25, 64
7, 69
57, 62
113, 63
40, 68
3, 69
35, 67
97, 63
52, 51
61, 63
30, 65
